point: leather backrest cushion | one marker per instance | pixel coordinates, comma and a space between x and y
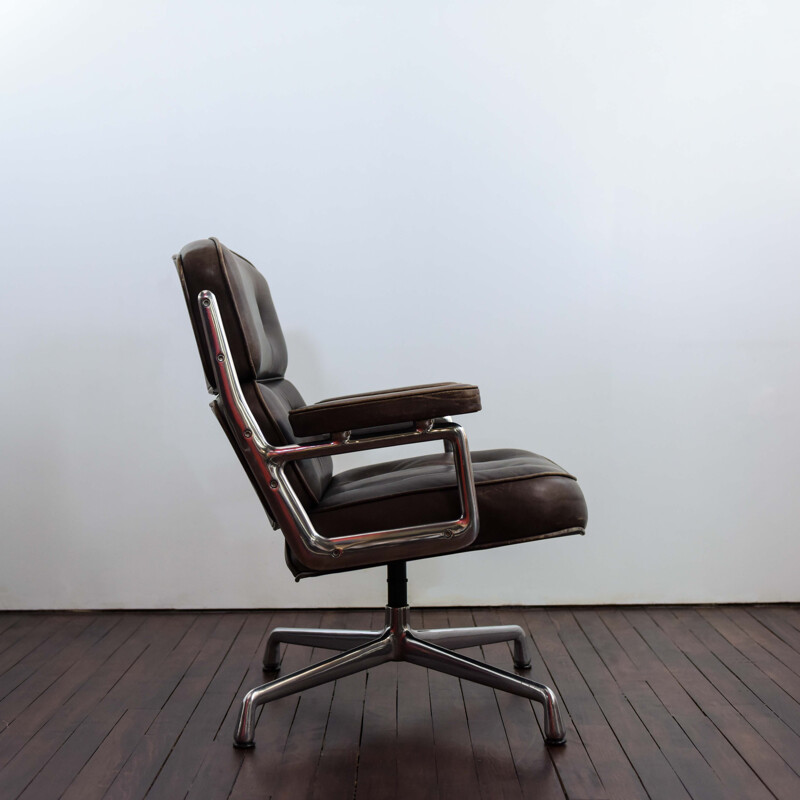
257, 345
271, 404
251, 323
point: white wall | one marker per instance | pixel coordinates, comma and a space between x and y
588, 209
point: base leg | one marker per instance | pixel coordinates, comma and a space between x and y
339, 666
459, 638
312, 637
433, 657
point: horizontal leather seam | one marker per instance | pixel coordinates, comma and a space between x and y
449, 488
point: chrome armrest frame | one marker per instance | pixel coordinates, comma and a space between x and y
269, 463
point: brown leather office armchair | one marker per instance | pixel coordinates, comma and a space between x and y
385, 514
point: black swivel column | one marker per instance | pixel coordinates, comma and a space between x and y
398, 582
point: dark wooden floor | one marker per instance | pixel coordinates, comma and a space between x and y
660, 702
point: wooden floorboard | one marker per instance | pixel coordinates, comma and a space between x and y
614, 776
656, 777
456, 773
337, 767
661, 703
378, 753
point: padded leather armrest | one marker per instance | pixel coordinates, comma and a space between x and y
407, 404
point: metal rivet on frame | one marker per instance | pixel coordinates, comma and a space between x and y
273, 484
206, 302
221, 357
247, 433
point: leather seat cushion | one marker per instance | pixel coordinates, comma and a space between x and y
521, 496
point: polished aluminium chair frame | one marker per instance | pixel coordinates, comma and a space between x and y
397, 641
